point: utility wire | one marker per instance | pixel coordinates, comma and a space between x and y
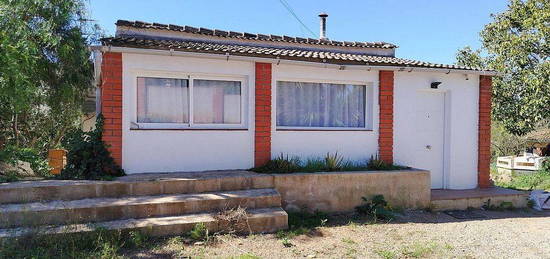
289, 9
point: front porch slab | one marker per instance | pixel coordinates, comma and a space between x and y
476, 198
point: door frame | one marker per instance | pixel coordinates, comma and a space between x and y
446, 94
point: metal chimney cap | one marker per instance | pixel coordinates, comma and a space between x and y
323, 15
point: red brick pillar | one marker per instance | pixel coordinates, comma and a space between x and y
111, 103
484, 132
262, 133
385, 101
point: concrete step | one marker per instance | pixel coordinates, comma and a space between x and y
443, 200
105, 209
265, 220
132, 185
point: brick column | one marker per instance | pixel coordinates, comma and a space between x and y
111, 103
262, 115
385, 101
484, 132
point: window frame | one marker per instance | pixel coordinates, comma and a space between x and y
190, 125
368, 108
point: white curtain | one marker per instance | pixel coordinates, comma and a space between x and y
302, 104
162, 100
216, 102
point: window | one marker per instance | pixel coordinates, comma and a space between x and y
320, 105
217, 102
188, 102
162, 100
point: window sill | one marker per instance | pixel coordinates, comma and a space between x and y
191, 129
186, 127
321, 129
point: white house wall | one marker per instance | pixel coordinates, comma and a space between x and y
354, 145
461, 101
193, 150
183, 150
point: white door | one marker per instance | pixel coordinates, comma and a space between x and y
430, 134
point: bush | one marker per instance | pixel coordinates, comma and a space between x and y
504, 143
377, 208
88, 157
12, 155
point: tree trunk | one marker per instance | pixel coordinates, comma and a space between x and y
15, 130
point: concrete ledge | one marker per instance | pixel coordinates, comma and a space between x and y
325, 191
342, 191
476, 198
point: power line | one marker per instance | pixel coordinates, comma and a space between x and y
289, 9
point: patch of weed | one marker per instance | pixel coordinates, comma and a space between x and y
348, 241
245, 256
286, 242
418, 250
351, 251
539, 180
505, 205
377, 208
100, 243
199, 232
303, 222
386, 254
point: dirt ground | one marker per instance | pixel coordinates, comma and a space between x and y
415, 234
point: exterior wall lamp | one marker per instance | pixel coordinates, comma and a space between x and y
435, 85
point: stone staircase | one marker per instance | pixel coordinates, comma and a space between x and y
157, 204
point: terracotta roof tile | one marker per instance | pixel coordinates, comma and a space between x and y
252, 36
332, 57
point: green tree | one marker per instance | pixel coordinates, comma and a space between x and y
516, 45
45, 70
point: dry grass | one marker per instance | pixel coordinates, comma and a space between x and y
504, 234
233, 220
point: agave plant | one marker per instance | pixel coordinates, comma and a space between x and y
334, 162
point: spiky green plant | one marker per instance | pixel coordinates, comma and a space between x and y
334, 162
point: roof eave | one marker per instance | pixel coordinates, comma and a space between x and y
284, 59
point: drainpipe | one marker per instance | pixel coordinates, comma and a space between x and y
97, 57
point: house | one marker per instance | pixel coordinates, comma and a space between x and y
179, 98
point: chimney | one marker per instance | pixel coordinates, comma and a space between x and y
323, 26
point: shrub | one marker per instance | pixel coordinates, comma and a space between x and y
12, 155
9, 176
504, 143
199, 232
377, 208
88, 157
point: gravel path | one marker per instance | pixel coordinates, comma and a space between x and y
502, 234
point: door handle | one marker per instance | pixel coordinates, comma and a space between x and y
429, 147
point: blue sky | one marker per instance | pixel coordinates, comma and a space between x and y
427, 30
